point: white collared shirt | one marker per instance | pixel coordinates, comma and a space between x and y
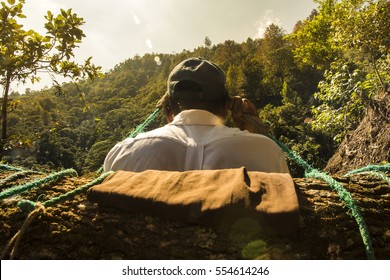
196, 140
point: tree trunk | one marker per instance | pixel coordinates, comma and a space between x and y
4, 113
78, 229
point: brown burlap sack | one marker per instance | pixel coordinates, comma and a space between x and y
212, 197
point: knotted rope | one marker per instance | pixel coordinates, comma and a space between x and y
382, 176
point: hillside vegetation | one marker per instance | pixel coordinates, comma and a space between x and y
312, 87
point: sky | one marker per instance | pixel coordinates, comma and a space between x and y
117, 30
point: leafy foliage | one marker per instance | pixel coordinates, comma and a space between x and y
312, 39
360, 71
24, 53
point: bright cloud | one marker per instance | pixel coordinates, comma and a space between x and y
268, 19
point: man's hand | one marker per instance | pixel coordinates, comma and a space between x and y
245, 116
240, 106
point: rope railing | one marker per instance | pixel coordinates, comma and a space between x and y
140, 128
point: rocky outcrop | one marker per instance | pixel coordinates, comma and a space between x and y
369, 143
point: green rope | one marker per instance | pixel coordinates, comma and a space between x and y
9, 167
100, 170
142, 126
342, 192
6, 181
307, 167
28, 205
379, 168
376, 170
382, 176
52, 178
351, 204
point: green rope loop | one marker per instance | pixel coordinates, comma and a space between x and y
28, 205
52, 178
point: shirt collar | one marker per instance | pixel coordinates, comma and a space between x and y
196, 117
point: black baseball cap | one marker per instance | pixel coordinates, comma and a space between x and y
196, 79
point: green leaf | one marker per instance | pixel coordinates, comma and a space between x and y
49, 16
11, 2
64, 13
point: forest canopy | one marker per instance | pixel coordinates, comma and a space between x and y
311, 87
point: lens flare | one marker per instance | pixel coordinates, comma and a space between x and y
157, 60
149, 43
